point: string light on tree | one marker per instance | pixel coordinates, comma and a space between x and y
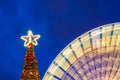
30, 69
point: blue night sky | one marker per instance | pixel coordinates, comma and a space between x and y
57, 21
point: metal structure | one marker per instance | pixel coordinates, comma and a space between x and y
94, 55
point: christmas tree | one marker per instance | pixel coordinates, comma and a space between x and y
30, 69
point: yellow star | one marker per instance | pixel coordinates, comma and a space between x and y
30, 38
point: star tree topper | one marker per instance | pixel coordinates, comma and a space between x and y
30, 38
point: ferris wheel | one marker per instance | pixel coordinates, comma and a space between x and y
94, 55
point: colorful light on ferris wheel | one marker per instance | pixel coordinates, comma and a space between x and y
94, 55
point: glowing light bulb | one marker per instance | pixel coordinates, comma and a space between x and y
30, 38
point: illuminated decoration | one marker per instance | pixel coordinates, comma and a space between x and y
30, 38
93, 56
30, 69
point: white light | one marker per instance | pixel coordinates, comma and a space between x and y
30, 38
